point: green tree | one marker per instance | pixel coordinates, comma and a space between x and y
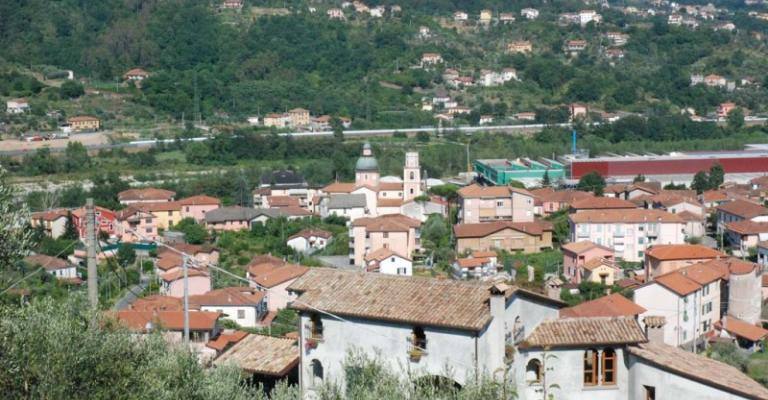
639, 178
545, 181
700, 182
76, 157
716, 176
70, 231
126, 255
71, 90
197, 153
592, 182
15, 237
735, 119
194, 233
338, 129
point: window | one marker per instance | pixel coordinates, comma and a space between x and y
148, 230
188, 209
609, 367
640, 254
386, 235
705, 326
148, 220
170, 213
533, 371
590, 367
419, 338
641, 240
240, 314
412, 177
705, 290
316, 327
317, 372
650, 392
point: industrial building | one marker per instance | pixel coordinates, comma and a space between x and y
529, 172
679, 167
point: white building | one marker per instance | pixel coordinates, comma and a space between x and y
386, 261
61, 269
529, 13
309, 240
628, 232
242, 305
16, 106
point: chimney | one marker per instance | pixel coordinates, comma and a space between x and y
654, 328
498, 305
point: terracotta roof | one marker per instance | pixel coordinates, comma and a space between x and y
743, 208
47, 262
480, 254
688, 216
270, 274
472, 262
136, 72
157, 302
561, 196
384, 202
486, 228
169, 320
602, 203
200, 200
714, 196
731, 265
597, 262
747, 227
50, 215
742, 329
145, 194
82, 118
225, 339
654, 321
388, 223
700, 369
702, 273
191, 249
339, 187
158, 207
665, 252
282, 201
582, 246
230, 296
405, 299
307, 233
677, 283
585, 331
179, 274
477, 191
636, 215
613, 305
169, 260
390, 186
382, 254
260, 354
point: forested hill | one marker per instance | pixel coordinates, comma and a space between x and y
256, 62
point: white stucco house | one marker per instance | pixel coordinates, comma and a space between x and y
244, 305
16, 106
308, 240
386, 261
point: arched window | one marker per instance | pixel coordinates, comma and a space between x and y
609, 367
317, 372
590, 367
412, 175
533, 371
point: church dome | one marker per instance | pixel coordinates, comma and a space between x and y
367, 163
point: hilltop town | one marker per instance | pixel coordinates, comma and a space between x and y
428, 200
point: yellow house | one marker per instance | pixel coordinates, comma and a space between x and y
167, 213
84, 123
600, 270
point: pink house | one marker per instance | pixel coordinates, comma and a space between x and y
197, 206
553, 201
392, 231
274, 275
490, 203
173, 282
577, 254
135, 226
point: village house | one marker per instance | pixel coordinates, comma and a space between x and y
553, 201
587, 16
396, 232
347, 205
61, 269
724, 109
106, 221
335, 13
460, 16
675, 19
243, 305
52, 222
525, 237
592, 203
386, 261
479, 265
308, 240
146, 195
166, 213
231, 218
277, 120
172, 282
134, 225
274, 275
745, 235
506, 17
459, 329
203, 325
285, 183
747, 336
520, 46
529, 13
232, 5
491, 203
525, 116
84, 123
574, 47
17, 106
628, 232
486, 16
739, 210
428, 59
577, 110
714, 80
136, 75
612, 305
263, 359
196, 207
663, 259
576, 255
299, 117
614, 54
617, 38
741, 288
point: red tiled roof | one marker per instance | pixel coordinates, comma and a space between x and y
47, 262
264, 355
678, 283
200, 200
742, 329
384, 202
613, 305
169, 260
702, 273
582, 246
480, 254
339, 187
472, 262
179, 274
269, 274
159, 206
157, 302
747, 227
170, 320
388, 223
230, 296
731, 265
145, 194
714, 196
635, 215
382, 254
486, 228
743, 208
390, 186
50, 215
665, 252
282, 201
602, 203
562, 196
585, 331
307, 233
598, 262
477, 191
225, 339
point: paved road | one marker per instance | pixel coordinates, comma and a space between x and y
129, 297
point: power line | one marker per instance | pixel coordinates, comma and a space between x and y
39, 269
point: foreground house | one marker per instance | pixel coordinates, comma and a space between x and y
134, 225
265, 359
527, 237
203, 325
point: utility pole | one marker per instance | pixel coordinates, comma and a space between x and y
90, 226
184, 267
